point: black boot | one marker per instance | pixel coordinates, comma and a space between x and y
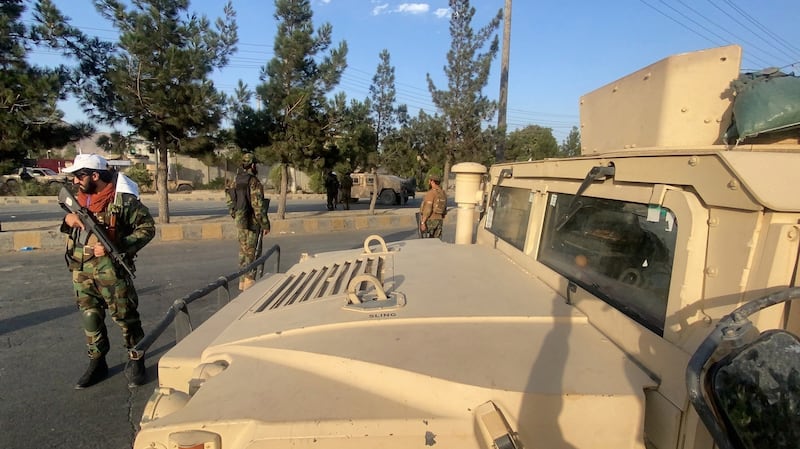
97, 371
135, 372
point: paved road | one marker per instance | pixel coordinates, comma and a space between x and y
41, 342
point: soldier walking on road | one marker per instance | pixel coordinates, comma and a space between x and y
433, 209
98, 282
248, 208
345, 190
331, 189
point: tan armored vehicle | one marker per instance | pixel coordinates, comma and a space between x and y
591, 309
393, 189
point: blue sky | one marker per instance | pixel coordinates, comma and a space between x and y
560, 50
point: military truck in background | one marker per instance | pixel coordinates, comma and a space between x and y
393, 189
174, 185
637, 296
41, 175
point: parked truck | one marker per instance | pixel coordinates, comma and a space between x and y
637, 296
41, 175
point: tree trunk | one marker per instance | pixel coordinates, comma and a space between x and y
446, 173
161, 180
283, 187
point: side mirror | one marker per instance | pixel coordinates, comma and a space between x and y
745, 386
757, 391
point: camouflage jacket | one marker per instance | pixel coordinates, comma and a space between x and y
250, 211
134, 228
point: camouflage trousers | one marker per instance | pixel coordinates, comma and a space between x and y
434, 226
248, 240
98, 288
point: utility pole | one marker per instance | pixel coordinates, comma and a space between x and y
503, 102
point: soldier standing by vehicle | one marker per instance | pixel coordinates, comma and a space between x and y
248, 208
433, 209
98, 282
345, 190
331, 189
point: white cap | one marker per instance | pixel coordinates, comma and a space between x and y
87, 161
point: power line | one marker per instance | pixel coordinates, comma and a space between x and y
759, 54
355, 80
744, 26
766, 30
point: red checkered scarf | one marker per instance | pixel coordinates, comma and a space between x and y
97, 202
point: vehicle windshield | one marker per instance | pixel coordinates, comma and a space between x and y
621, 252
47, 171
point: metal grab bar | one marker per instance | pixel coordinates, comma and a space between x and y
179, 310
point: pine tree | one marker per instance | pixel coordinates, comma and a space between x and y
463, 105
30, 120
155, 78
296, 82
383, 95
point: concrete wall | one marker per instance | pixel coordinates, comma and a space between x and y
199, 173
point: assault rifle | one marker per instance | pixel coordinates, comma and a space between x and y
68, 202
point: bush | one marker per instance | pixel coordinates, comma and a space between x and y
316, 183
32, 188
140, 176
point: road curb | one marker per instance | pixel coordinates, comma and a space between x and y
197, 195
216, 229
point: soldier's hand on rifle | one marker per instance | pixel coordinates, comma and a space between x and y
73, 221
422, 227
264, 231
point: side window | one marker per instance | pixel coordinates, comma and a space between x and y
621, 252
509, 213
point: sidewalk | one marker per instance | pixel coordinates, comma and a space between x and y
46, 235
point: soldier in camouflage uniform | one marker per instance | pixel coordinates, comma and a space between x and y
248, 208
346, 190
433, 209
100, 285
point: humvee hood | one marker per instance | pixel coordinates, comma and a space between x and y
422, 362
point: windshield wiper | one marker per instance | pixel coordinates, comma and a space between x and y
598, 173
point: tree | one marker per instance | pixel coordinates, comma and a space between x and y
155, 78
416, 149
354, 132
251, 127
384, 95
571, 146
295, 84
463, 105
114, 142
30, 120
531, 143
